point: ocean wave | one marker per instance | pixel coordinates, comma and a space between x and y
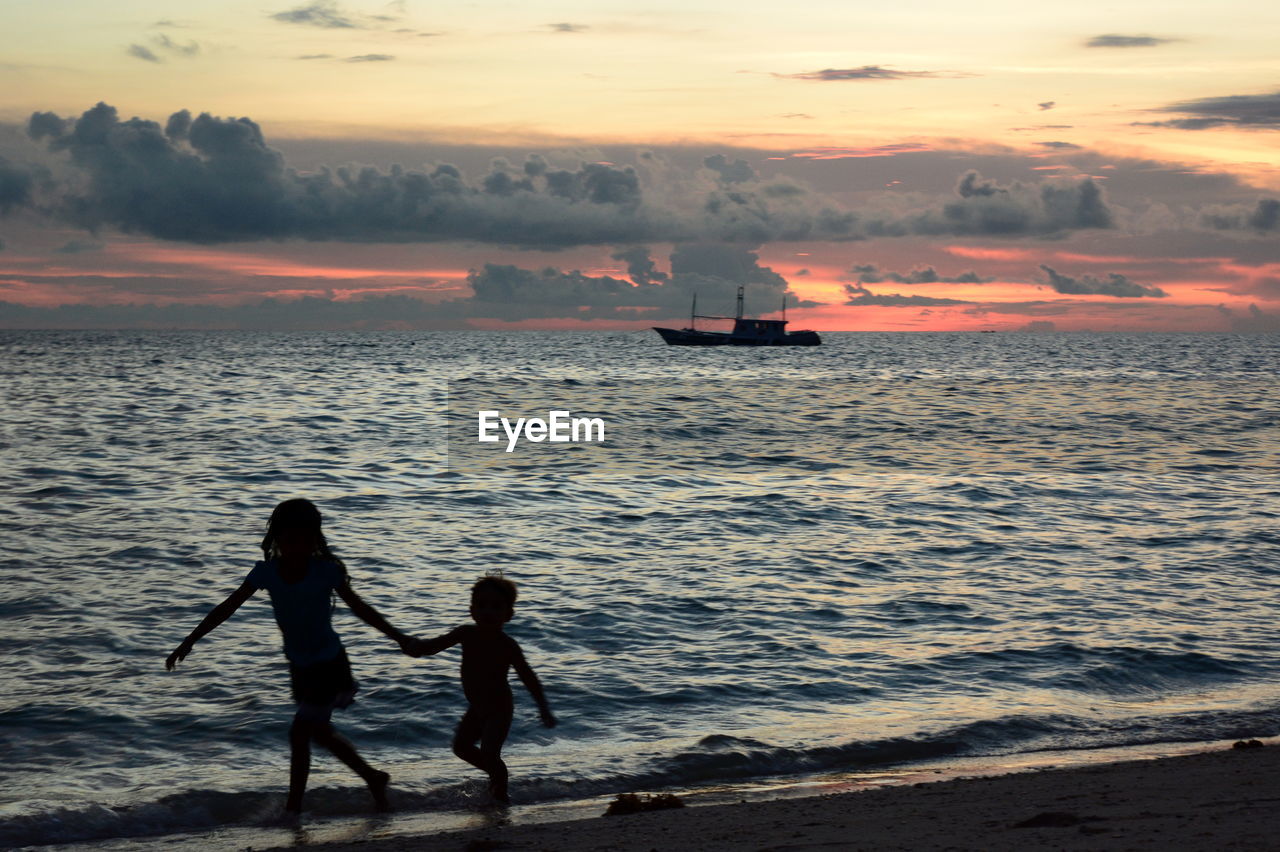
715, 759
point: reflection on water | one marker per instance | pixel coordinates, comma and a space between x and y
889, 548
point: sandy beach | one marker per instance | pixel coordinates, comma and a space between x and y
1215, 800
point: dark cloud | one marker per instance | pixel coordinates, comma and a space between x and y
1061, 146
859, 295
500, 291
370, 57
866, 72
869, 273
1113, 285
1044, 105
16, 185
1040, 326
1256, 320
315, 56
711, 271
212, 179
1126, 41
138, 51
640, 267
1262, 217
1259, 111
320, 13
568, 28
738, 171
1015, 209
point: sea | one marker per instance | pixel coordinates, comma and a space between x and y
775, 566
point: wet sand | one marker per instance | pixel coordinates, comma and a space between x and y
1214, 800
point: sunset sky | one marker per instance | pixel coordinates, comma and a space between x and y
905, 166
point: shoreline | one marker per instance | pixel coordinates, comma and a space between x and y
1204, 800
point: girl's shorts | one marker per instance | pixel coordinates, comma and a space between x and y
320, 688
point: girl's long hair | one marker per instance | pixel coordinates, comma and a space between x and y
298, 513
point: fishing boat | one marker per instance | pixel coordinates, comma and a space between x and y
746, 331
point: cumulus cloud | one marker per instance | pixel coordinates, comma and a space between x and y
1044, 105
16, 185
209, 179
738, 171
1060, 146
640, 267
986, 207
1256, 320
370, 57
499, 291
869, 273
866, 72
568, 28
859, 295
1262, 217
712, 271
1113, 285
1258, 111
1126, 41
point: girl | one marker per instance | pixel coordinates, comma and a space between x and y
301, 573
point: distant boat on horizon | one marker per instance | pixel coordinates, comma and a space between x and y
746, 331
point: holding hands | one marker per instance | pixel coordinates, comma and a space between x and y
413, 646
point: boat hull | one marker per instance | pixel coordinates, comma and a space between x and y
692, 337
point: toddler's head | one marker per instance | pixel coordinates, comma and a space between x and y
493, 600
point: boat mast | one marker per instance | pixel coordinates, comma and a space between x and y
693, 311
739, 316
784, 307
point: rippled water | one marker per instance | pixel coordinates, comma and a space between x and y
887, 548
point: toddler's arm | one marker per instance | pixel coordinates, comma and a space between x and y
531, 683
216, 616
428, 647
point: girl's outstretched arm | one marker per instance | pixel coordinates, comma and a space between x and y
371, 616
216, 616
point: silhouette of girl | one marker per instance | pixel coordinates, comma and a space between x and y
301, 574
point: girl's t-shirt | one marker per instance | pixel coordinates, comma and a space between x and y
303, 609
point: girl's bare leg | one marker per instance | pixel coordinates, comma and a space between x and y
341, 747
299, 764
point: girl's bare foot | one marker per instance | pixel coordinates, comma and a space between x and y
378, 787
